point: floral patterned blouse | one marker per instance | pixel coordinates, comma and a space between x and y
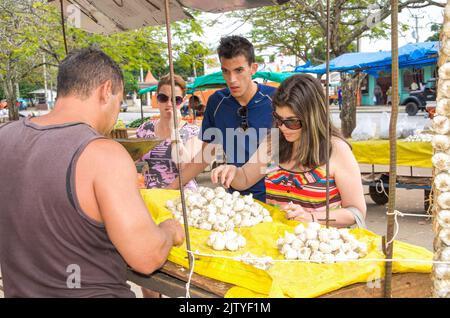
163, 170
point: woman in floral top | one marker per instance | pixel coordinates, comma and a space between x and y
161, 159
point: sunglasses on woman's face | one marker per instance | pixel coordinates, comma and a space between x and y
163, 98
294, 123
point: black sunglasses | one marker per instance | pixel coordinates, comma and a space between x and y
242, 112
293, 124
163, 98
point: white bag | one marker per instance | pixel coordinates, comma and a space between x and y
366, 129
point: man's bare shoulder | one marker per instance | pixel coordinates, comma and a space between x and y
106, 153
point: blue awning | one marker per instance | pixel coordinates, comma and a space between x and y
415, 54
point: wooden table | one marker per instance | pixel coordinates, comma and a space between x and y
171, 280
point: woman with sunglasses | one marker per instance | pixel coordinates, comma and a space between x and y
161, 161
297, 182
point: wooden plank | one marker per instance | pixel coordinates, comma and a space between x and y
216, 287
171, 279
167, 285
404, 285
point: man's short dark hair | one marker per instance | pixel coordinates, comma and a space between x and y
234, 45
82, 71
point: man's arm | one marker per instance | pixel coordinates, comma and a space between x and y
201, 160
143, 244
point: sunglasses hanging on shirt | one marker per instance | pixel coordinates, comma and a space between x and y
242, 112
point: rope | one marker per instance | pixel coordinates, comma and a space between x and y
381, 184
397, 226
188, 284
362, 260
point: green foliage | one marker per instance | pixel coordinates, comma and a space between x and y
299, 26
436, 28
136, 123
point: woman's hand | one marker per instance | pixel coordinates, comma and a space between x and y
297, 212
224, 174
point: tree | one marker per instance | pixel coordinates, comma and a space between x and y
436, 28
31, 29
19, 45
300, 26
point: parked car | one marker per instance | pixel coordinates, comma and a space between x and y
424, 99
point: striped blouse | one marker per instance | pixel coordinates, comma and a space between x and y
307, 188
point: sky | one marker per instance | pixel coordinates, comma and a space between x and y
427, 15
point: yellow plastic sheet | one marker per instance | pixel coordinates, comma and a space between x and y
417, 154
283, 279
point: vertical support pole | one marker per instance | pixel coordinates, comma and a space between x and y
63, 26
177, 139
393, 150
327, 104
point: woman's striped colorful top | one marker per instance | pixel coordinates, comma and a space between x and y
307, 189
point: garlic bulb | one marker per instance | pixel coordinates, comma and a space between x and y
311, 234
442, 288
219, 244
441, 142
291, 254
264, 262
445, 254
441, 124
230, 240
442, 181
444, 71
299, 229
325, 245
325, 248
443, 217
444, 88
442, 271
444, 235
314, 226
223, 211
443, 107
444, 200
441, 161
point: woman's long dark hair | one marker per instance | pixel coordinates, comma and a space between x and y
304, 95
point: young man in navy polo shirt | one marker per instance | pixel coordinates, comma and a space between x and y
238, 117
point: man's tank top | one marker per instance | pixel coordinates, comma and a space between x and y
48, 246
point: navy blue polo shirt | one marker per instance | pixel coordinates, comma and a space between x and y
221, 125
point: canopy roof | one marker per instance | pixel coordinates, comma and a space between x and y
111, 16
425, 53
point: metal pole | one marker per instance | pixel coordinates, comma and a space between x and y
63, 25
393, 150
45, 76
175, 121
327, 103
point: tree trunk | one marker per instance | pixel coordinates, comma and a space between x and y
11, 97
350, 86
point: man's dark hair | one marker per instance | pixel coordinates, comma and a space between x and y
234, 45
82, 71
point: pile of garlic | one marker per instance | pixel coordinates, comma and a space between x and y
441, 163
264, 262
229, 240
421, 137
320, 245
215, 209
